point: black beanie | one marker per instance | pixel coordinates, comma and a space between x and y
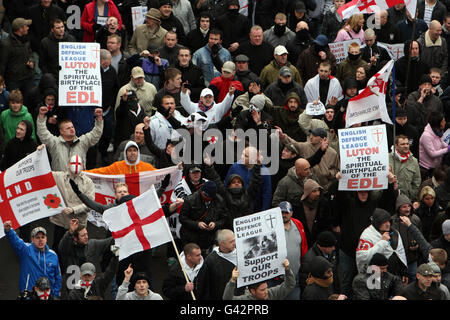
326, 239
164, 2
319, 265
378, 260
139, 276
379, 217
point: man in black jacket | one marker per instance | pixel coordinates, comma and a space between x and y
170, 22
198, 38
49, 49
243, 73
175, 286
191, 75
202, 214
42, 15
423, 288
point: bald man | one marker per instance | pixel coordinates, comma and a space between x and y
372, 53
386, 32
138, 137
300, 43
291, 187
434, 47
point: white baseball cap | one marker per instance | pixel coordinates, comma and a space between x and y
279, 50
206, 92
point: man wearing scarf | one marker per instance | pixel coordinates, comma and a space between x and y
175, 286
406, 167
319, 285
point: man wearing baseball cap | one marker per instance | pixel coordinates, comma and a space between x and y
423, 288
36, 259
271, 71
221, 85
16, 62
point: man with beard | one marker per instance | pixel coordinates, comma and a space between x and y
323, 86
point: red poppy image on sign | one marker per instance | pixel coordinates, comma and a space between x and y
52, 201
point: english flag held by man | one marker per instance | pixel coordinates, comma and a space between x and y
370, 104
371, 6
28, 191
138, 224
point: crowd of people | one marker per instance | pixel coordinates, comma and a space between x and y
233, 65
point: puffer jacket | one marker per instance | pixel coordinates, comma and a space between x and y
431, 149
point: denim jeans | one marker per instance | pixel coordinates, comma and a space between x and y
349, 271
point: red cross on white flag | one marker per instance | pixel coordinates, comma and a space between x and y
370, 6
138, 224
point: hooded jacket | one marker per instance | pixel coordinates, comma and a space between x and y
239, 202
287, 119
17, 149
126, 121
125, 167
405, 232
35, 263
9, 121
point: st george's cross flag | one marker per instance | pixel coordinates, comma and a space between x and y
138, 224
28, 191
370, 104
371, 6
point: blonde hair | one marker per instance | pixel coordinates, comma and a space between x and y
120, 184
425, 191
353, 20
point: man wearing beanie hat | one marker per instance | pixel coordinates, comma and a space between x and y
313, 211
377, 283
149, 33
319, 284
140, 283
202, 214
380, 238
325, 246
404, 208
443, 241
170, 22
424, 101
234, 25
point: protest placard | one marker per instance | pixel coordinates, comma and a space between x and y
315, 109
340, 49
28, 191
395, 50
364, 158
446, 136
80, 82
260, 246
138, 15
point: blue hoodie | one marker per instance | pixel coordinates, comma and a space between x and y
264, 199
36, 263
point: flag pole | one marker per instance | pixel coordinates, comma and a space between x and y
409, 54
178, 256
393, 116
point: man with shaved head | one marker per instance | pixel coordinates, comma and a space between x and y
300, 43
386, 32
291, 187
434, 47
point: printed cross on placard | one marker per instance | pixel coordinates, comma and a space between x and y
96, 50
